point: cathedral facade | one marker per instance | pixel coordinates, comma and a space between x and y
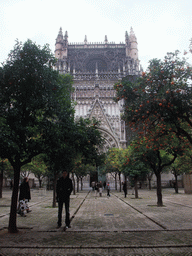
95, 68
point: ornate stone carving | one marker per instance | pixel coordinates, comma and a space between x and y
95, 68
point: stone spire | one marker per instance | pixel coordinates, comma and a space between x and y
65, 39
133, 45
126, 38
85, 40
60, 32
59, 38
132, 35
61, 51
106, 40
126, 44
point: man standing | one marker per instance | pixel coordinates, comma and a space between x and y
63, 190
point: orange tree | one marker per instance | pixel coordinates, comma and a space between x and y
162, 96
159, 151
158, 105
132, 166
113, 164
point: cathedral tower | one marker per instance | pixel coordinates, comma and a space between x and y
95, 68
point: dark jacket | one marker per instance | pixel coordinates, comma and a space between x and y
64, 189
24, 191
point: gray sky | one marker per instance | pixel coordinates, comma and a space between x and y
160, 26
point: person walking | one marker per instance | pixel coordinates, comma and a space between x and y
104, 185
24, 197
63, 191
100, 188
93, 185
108, 189
96, 188
125, 188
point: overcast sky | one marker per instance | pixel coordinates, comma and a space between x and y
160, 26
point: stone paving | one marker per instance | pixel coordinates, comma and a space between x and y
101, 225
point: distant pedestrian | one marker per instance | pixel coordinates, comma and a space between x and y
104, 184
93, 185
96, 188
100, 188
108, 189
24, 197
125, 188
63, 190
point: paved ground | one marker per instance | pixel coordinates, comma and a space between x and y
101, 225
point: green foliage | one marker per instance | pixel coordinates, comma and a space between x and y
162, 96
133, 164
81, 170
6, 169
156, 153
88, 141
182, 164
37, 167
34, 107
113, 160
27, 101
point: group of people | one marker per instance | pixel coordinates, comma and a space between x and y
63, 191
98, 188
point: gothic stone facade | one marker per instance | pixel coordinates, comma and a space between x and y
95, 68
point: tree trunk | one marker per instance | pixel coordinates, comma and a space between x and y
77, 184
119, 181
159, 192
1, 183
13, 213
73, 178
136, 188
1, 178
149, 183
54, 189
176, 185
40, 182
81, 183
150, 175
115, 181
48, 185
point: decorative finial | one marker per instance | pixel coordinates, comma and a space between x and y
132, 35
60, 35
85, 40
131, 31
106, 40
66, 35
60, 32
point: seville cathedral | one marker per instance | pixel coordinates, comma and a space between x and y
95, 68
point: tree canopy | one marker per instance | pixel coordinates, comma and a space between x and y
162, 96
158, 109
32, 100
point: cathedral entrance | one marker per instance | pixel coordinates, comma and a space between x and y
95, 68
